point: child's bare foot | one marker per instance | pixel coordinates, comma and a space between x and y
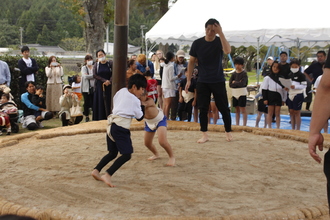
153, 157
107, 179
171, 162
229, 137
96, 175
204, 139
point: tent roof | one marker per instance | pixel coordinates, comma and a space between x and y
283, 22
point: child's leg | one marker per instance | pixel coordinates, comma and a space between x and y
105, 160
189, 109
271, 109
162, 138
148, 137
237, 115
244, 113
114, 167
65, 122
258, 119
265, 124
297, 119
278, 117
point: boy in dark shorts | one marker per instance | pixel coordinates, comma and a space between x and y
126, 105
238, 82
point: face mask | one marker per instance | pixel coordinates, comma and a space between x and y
294, 70
162, 64
101, 59
90, 62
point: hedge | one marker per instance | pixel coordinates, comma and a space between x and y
41, 78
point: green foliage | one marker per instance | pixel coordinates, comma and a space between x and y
8, 33
12, 61
73, 44
33, 16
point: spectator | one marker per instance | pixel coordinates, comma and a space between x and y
285, 67
29, 109
132, 69
54, 73
87, 85
187, 100
168, 82
273, 94
238, 83
267, 67
144, 65
39, 100
5, 76
296, 93
67, 101
179, 67
28, 67
102, 95
76, 86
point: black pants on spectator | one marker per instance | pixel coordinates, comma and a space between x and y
185, 108
219, 92
66, 122
88, 102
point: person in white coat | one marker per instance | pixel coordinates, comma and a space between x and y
54, 73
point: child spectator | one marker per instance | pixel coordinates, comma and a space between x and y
187, 100
151, 87
6, 109
76, 86
262, 108
155, 120
39, 100
126, 105
274, 94
297, 93
238, 82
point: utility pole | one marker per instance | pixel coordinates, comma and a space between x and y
21, 31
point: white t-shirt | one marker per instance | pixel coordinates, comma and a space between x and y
126, 104
78, 90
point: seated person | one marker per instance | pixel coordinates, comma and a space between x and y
67, 101
5, 109
39, 100
29, 109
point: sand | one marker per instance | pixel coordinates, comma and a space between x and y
257, 174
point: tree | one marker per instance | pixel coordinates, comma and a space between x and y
95, 13
9, 34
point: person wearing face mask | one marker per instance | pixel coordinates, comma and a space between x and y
87, 85
54, 73
297, 93
102, 72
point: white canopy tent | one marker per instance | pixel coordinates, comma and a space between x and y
247, 22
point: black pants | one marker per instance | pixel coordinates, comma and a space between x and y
174, 106
109, 157
219, 92
65, 122
185, 107
88, 102
326, 170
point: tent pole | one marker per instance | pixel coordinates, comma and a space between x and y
258, 45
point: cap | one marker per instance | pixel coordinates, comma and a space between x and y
270, 58
180, 53
67, 86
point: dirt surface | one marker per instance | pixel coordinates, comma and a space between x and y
253, 174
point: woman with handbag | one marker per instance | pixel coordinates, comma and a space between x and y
70, 109
87, 85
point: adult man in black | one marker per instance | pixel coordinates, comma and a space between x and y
208, 51
316, 68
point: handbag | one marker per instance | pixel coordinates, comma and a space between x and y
75, 111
